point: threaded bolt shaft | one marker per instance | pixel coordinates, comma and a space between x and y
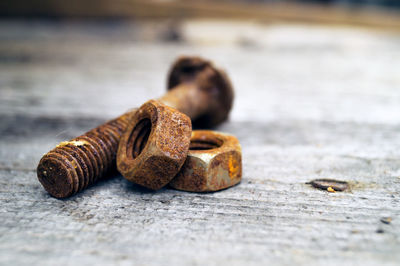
74, 165
196, 88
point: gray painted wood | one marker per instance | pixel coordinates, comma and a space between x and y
311, 102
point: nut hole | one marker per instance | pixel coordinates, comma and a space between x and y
207, 144
138, 138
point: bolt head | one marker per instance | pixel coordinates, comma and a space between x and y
208, 78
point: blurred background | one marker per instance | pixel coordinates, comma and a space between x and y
116, 53
317, 93
104, 48
309, 10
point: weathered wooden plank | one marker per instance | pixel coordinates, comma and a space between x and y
324, 106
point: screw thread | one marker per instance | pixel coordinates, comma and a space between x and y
74, 165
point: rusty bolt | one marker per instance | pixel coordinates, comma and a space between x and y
73, 165
200, 90
214, 162
196, 88
154, 146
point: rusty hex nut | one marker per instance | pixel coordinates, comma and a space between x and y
154, 146
214, 162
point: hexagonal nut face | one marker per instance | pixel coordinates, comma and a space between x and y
154, 146
214, 162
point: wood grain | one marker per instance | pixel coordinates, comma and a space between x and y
311, 102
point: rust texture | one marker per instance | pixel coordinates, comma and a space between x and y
214, 162
196, 88
74, 165
200, 90
155, 145
330, 185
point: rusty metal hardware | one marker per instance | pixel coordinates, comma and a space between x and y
203, 92
154, 145
214, 162
73, 165
200, 90
196, 88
